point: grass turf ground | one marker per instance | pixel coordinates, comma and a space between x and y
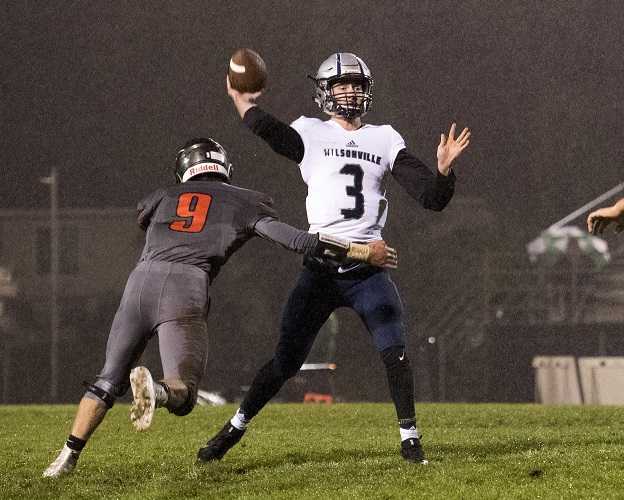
318, 451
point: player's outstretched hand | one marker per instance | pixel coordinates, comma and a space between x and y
600, 219
451, 147
242, 100
381, 255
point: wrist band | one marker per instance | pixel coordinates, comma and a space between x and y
358, 251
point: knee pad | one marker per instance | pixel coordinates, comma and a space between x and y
187, 405
395, 357
102, 394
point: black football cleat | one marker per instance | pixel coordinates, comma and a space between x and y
412, 451
220, 443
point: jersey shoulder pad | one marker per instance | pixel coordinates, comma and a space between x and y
396, 143
153, 197
241, 191
147, 206
391, 131
385, 129
304, 123
251, 198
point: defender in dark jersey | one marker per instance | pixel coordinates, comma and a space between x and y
192, 229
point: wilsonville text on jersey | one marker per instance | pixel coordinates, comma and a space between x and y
348, 153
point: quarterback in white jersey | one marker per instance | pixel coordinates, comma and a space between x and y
344, 162
345, 171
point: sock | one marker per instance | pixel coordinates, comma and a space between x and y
266, 384
239, 421
408, 429
400, 381
75, 444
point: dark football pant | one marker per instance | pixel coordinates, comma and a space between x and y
369, 292
171, 300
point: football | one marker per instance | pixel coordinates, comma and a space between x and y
247, 71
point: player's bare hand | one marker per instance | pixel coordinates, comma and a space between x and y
451, 147
381, 255
241, 97
602, 218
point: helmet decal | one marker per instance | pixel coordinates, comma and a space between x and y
202, 156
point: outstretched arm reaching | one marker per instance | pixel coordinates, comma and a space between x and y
376, 253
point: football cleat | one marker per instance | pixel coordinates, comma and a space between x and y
64, 463
411, 450
220, 443
144, 393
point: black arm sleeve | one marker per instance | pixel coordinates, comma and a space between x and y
282, 138
286, 236
432, 191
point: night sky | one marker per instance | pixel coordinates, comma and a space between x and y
106, 92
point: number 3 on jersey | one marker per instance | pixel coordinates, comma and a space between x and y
193, 211
355, 190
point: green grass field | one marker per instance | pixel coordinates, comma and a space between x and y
318, 451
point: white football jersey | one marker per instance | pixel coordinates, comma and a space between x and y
345, 171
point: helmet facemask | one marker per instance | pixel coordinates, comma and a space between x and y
353, 101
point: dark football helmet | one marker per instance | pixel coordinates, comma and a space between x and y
338, 68
202, 156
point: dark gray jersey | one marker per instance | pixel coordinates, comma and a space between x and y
201, 223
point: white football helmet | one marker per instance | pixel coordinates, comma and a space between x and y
343, 67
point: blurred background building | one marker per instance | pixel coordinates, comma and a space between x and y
476, 318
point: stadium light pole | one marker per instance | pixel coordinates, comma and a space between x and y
52, 181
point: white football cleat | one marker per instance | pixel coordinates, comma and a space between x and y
144, 393
64, 463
